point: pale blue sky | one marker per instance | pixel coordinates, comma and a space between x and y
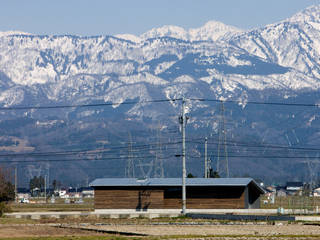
109, 17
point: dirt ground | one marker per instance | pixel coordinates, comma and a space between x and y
34, 230
221, 229
165, 230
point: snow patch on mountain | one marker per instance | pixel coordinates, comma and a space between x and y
184, 79
11, 97
310, 14
211, 31
163, 67
129, 37
235, 61
127, 92
166, 31
8, 33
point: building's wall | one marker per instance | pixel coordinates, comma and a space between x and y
255, 204
253, 197
128, 199
206, 198
169, 198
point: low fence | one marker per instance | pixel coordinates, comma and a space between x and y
296, 204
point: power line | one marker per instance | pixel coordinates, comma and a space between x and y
260, 156
154, 101
256, 103
86, 105
85, 151
77, 159
245, 144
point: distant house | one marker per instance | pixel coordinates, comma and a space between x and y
281, 192
74, 193
35, 192
62, 193
294, 188
23, 196
271, 189
316, 192
166, 193
87, 192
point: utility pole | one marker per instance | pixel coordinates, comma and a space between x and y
183, 124
45, 188
225, 141
16, 184
209, 167
48, 178
205, 158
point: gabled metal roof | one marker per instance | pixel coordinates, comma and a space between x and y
134, 182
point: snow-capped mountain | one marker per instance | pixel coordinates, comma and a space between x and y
281, 55
279, 62
211, 31
309, 15
293, 43
8, 33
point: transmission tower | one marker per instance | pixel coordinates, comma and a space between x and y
313, 167
222, 138
129, 171
158, 163
141, 165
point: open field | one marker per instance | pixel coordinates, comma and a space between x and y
293, 202
58, 206
289, 202
34, 231
175, 228
90, 227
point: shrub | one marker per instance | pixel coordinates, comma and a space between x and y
4, 208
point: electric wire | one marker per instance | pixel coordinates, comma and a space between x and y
155, 101
256, 103
87, 105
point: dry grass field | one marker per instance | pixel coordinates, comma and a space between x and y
88, 228
58, 206
289, 202
168, 228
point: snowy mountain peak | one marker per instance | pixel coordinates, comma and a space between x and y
212, 30
310, 14
129, 37
166, 31
8, 33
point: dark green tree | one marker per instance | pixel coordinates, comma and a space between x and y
214, 174
6, 188
54, 184
36, 182
190, 175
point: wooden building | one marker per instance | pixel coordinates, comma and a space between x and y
166, 193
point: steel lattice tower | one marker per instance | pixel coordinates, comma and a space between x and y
222, 138
158, 163
129, 171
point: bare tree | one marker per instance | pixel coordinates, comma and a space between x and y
6, 187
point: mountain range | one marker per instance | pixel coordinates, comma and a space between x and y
278, 63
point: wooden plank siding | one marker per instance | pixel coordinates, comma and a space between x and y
206, 198
128, 199
169, 197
